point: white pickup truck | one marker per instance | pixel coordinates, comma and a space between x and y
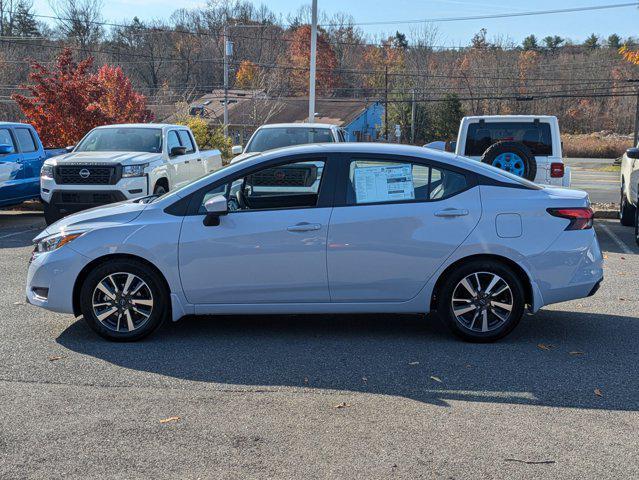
629, 204
528, 146
121, 162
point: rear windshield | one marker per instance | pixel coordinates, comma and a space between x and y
270, 138
535, 135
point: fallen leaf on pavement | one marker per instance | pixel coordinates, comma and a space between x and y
53, 358
437, 379
170, 419
623, 258
576, 352
605, 256
545, 346
342, 405
413, 363
305, 379
598, 392
18, 303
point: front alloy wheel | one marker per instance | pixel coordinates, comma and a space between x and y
124, 299
481, 301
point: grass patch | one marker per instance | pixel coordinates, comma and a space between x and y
595, 145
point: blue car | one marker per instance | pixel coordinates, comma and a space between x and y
21, 158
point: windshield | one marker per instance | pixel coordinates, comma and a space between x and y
270, 138
123, 139
535, 135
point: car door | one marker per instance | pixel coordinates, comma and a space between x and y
11, 170
32, 158
178, 164
270, 247
395, 222
192, 159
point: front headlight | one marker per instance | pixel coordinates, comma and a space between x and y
46, 171
134, 170
54, 242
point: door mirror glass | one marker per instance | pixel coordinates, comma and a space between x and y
632, 153
5, 149
177, 151
236, 149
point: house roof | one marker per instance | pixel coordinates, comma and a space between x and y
254, 108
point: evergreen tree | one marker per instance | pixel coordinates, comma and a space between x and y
614, 41
446, 117
24, 23
553, 42
592, 42
530, 43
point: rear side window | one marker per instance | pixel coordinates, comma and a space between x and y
5, 137
535, 135
373, 181
25, 140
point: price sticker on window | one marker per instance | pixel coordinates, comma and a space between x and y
384, 183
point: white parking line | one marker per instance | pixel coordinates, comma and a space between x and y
625, 248
18, 233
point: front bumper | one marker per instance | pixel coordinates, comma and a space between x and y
51, 279
73, 198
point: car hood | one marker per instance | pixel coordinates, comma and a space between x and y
125, 158
243, 156
99, 217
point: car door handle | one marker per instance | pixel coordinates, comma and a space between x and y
452, 212
199, 159
186, 161
304, 227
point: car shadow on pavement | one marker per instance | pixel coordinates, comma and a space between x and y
554, 359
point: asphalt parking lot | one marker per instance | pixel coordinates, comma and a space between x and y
373, 396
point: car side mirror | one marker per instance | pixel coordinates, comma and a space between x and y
177, 151
632, 153
236, 149
6, 149
69, 148
215, 207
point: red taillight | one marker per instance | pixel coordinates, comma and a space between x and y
580, 217
557, 170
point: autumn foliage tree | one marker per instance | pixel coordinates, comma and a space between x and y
246, 76
299, 52
68, 100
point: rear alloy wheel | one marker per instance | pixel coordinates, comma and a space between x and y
482, 301
159, 189
123, 300
626, 211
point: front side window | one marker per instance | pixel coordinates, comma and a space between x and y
278, 137
374, 181
25, 140
535, 135
292, 185
123, 139
172, 141
5, 137
185, 140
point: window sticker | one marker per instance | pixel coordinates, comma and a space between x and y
383, 184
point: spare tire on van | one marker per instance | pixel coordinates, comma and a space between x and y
513, 157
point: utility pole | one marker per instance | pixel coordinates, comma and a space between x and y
386, 103
311, 84
228, 51
412, 120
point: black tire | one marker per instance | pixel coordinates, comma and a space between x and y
51, 213
160, 189
496, 149
626, 211
118, 269
497, 327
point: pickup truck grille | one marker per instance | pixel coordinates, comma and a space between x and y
86, 175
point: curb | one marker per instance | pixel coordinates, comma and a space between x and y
614, 214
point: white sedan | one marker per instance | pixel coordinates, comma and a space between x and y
378, 228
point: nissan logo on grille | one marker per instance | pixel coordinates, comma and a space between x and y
84, 173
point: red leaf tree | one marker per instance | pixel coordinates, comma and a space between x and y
299, 51
67, 100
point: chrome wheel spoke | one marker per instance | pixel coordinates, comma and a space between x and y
501, 317
492, 284
129, 320
466, 309
484, 320
107, 313
104, 289
500, 291
141, 301
505, 306
127, 283
468, 287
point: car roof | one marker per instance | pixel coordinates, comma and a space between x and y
14, 124
509, 118
298, 125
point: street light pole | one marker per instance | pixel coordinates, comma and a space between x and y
311, 89
226, 81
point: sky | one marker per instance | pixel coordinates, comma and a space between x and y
575, 26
